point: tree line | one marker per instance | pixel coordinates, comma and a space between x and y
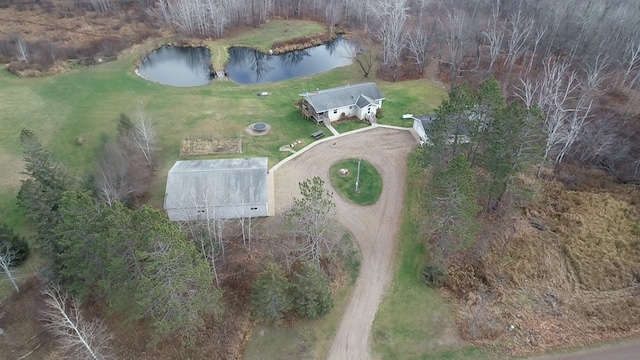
477, 143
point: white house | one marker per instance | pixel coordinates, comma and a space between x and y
359, 100
217, 189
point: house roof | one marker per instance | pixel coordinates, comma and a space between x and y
224, 182
356, 94
363, 100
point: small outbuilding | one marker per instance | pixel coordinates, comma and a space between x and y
420, 125
357, 100
217, 189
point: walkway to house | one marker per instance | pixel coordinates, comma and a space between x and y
331, 128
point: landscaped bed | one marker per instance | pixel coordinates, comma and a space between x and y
369, 185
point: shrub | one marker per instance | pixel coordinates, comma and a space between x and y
379, 113
10, 239
433, 275
311, 294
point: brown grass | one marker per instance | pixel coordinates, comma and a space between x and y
195, 147
567, 281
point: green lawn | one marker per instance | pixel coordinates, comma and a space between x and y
345, 126
369, 183
414, 321
409, 97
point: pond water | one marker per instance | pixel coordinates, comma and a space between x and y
249, 66
178, 66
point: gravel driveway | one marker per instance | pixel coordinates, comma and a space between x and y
375, 228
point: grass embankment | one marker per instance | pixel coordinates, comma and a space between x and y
414, 321
369, 183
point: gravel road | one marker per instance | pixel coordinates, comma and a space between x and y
375, 228
625, 351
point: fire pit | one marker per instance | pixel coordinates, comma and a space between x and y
259, 127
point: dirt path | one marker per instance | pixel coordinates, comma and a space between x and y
375, 227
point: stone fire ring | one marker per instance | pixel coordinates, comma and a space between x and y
258, 129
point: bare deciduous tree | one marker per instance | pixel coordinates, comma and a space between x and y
632, 63
554, 93
22, 50
144, 135
365, 57
114, 180
574, 125
595, 73
519, 30
495, 35
332, 13
7, 257
418, 44
207, 230
453, 29
79, 337
536, 43
390, 18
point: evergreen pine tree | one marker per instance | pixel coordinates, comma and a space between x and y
270, 295
311, 294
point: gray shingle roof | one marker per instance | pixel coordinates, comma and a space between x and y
426, 120
217, 182
363, 100
327, 99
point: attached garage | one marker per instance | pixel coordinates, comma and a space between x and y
220, 189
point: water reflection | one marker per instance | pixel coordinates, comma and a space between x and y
178, 66
249, 66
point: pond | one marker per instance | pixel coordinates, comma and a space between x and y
178, 66
249, 66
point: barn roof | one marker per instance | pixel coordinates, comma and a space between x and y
224, 182
323, 100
